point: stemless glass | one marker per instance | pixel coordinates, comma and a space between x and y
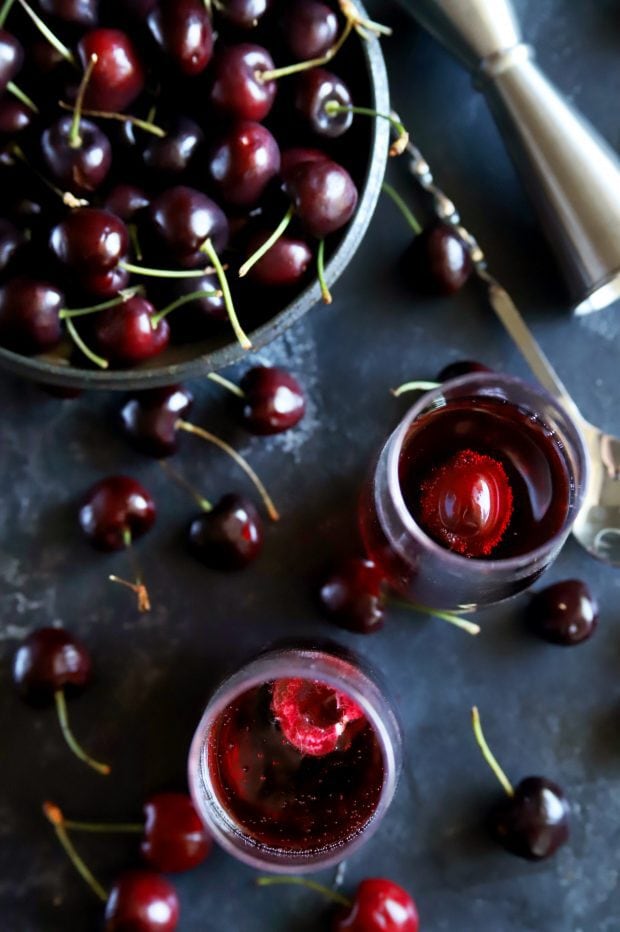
283, 809
530, 424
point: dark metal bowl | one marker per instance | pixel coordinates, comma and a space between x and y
366, 143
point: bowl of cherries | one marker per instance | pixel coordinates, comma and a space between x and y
181, 179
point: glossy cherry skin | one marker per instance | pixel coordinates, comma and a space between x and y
353, 595
90, 240
564, 613
243, 162
244, 13
14, 116
126, 201
118, 76
228, 537
83, 12
12, 241
438, 262
291, 158
49, 660
125, 333
148, 420
113, 507
175, 839
104, 284
310, 28
182, 219
534, 822
274, 400
461, 367
284, 264
29, 315
315, 89
80, 169
11, 57
379, 906
236, 89
173, 154
323, 194
142, 901
183, 30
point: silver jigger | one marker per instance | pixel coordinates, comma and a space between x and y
571, 173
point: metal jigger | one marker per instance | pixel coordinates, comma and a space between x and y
572, 174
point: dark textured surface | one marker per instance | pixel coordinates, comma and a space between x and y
547, 710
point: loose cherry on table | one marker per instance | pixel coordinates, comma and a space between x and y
50, 665
227, 535
149, 420
564, 613
273, 400
532, 820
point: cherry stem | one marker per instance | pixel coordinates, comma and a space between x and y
70, 200
320, 271
418, 386
239, 460
132, 229
488, 754
48, 34
362, 26
75, 140
310, 884
81, 345
21, 96
226, 383
275, 73
144, 602
4, 12
204, 503
111, 828
54, 815
207, 248
61, 710
164, 273
269, 242
451, 617
179, 302
398, 146
122, 117
406, 212
123, 296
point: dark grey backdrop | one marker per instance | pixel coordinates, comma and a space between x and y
546, 710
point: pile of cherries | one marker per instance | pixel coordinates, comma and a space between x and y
148, 151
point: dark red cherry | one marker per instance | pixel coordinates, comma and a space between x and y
182, 219
149, 419
80, 169
196, 319
11, 57
104, 284
244, 13
284, 264
29, 321
353, 595
118, 77
173, 154
291, 158
228, 537
236, 89
82, 12
437, 261
323, 194
183, 30
310, 28
126, 200
142, 901
114, 508
175, 839
564, 613
274, 400
15, 116
313, 716
466, 503
534, 822
461, 367
90, 240
125, 333
50, 660
12, 241
243, 162
379, 906
316, 88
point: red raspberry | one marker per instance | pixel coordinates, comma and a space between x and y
313, 716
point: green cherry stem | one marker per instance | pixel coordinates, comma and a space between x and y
81, 345
163, 273
275, 73
70, 200
416, 386
21, 96
61, 711
226, 383
332, 895
4, 11
203, 503
121, 117
451, 617
415, 225
488, 754
132, 230
207, 248
75, 140
47, 33
123, 296
271, 240
400, 143
54, 815
104, 828
320, 271
179, 302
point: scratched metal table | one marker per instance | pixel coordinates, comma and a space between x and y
546, 710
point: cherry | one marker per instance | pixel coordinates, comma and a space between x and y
310, 28
461, 367
534, 822
12, 241
564, 613
237, 90
82, 12
117, 77
126, 201
149, 419
126, 334
197, 318
115, 511
90, 240
323, 194
316, 88
243, 162
142, 901
313, 717
175, 839
11, 58
104, 284
229, 536
438, 262
291, 158
244, 13
80, 168
285, 263
173, 154
183, 219
353, 595
183, 29
379, 906
466, 503
29, 315
273, 400
15, 116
